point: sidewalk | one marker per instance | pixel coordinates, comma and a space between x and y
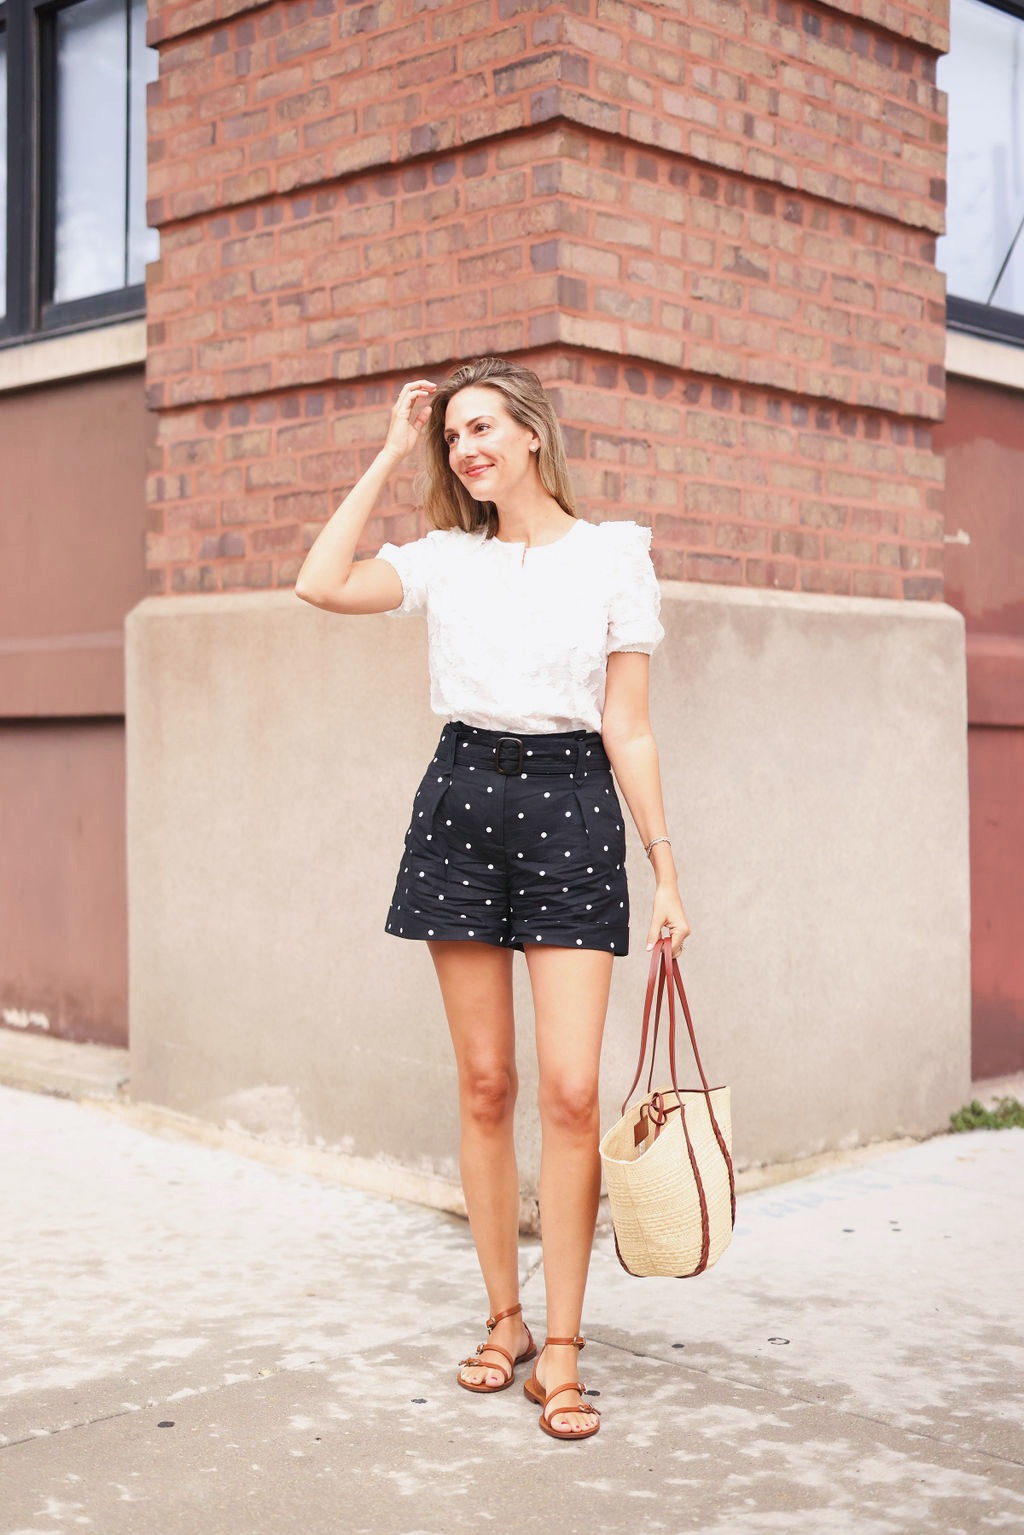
196, 1343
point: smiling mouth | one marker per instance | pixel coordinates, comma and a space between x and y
479, 469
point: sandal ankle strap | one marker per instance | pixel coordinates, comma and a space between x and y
579, 1342
500, 1316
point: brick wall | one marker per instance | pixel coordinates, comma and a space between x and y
709, 227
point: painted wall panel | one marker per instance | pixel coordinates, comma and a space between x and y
983, 439
63, 902
72, 530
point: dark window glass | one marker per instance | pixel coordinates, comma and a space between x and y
982, 252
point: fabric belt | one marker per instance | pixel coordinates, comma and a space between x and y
573, 753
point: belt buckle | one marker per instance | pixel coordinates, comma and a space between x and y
509, 741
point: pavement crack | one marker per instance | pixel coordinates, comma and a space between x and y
808, 1401
66, 1428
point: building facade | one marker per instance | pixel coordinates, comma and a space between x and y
712, 230
74, 437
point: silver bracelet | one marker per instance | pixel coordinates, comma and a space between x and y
654, 842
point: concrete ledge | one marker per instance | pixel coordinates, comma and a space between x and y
393, 1181
47, 359
62, 1067
389, 1180
995, 680
990, 362
814, 759
62, 674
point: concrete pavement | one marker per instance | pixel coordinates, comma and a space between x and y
194, 1341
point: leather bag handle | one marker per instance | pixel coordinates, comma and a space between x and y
664, 968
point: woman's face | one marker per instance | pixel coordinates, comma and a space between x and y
488, 451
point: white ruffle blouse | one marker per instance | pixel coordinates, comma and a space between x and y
519, 636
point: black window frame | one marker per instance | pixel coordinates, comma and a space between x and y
32, 314
965, 314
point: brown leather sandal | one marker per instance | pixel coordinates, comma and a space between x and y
536, 1393
476, 1361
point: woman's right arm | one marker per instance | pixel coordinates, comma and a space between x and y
329, 578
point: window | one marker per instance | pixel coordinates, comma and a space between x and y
982, 252
73, 162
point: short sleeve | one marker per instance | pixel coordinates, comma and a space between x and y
633, 618
412, 561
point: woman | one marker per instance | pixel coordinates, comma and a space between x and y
541, 627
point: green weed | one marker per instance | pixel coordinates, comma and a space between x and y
1007, 1114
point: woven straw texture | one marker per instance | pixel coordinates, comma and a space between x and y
653, 1193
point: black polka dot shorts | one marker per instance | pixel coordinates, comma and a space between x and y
515, 840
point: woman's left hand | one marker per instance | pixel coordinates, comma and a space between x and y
668, 912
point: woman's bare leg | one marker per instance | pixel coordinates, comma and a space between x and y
570, 998
476, 987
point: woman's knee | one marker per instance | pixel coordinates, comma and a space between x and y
570, 1104
488, 1093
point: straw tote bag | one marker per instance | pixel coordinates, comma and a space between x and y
667, 1162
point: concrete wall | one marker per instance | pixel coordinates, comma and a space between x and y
814, 761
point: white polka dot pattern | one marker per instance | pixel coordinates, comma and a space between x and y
467, 834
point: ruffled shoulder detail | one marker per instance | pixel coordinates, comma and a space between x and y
624, 536
633, 619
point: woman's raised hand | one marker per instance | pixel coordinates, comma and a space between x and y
408, 417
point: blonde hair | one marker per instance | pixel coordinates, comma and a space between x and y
446, 501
